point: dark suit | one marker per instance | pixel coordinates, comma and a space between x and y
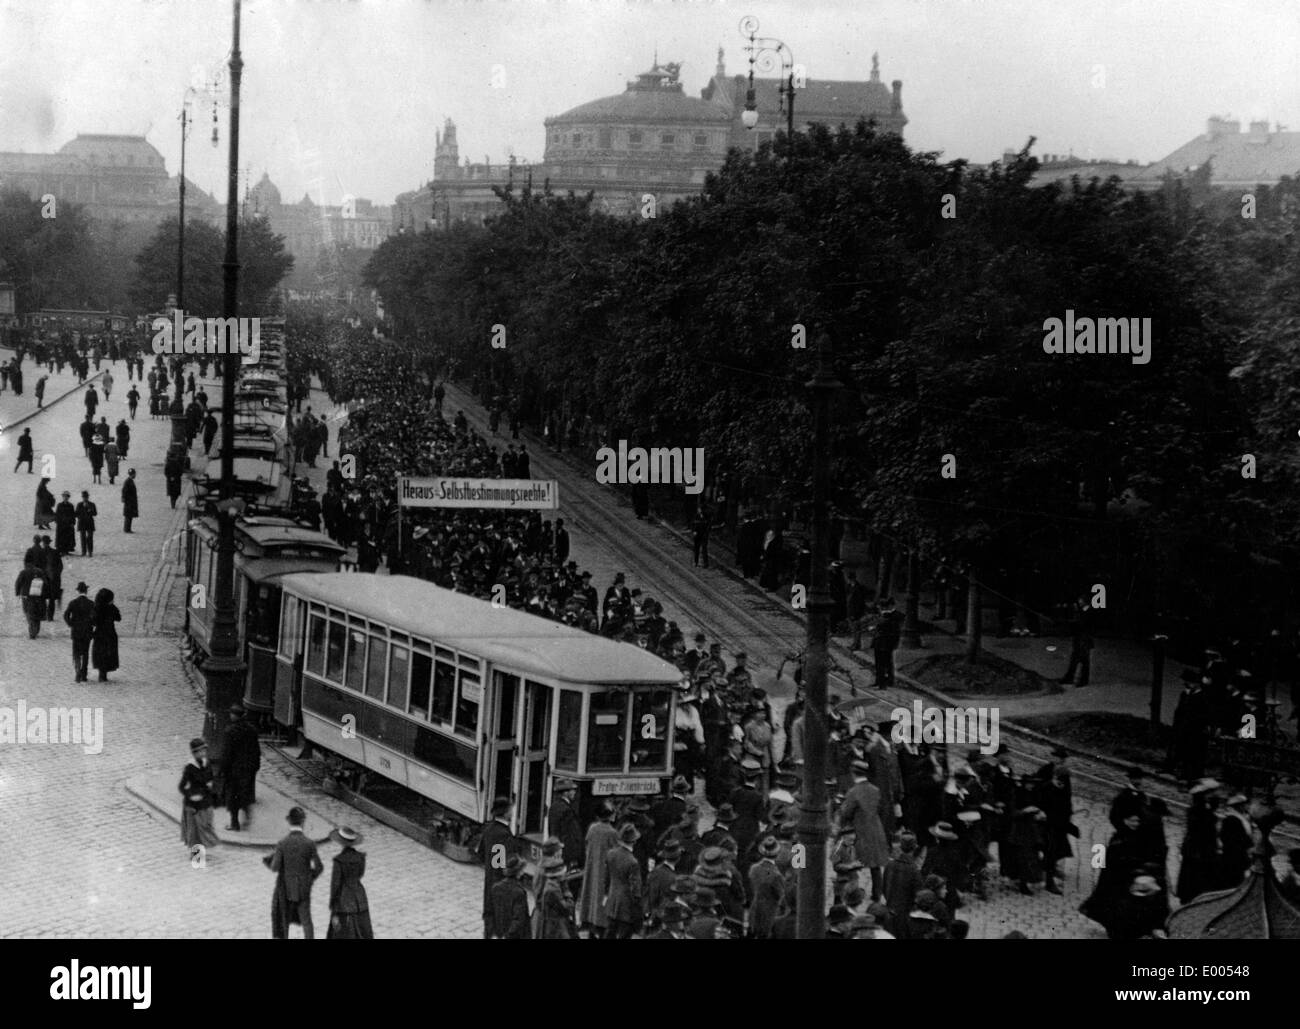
658, 888
243, 757
495, 834
510, 911
565, 825
623, 902
767, 890
298, 865
80, 616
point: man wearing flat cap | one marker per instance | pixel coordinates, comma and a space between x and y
297, 866
510, 917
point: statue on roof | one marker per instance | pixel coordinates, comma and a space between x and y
875, 67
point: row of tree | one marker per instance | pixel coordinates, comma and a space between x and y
929, 283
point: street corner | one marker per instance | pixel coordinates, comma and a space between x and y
267, 824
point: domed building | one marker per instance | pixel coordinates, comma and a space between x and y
652, 138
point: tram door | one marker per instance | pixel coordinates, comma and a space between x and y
502, 738
533, 755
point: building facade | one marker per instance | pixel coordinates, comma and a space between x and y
652, 140
116, 178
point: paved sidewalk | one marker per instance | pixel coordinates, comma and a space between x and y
270, 813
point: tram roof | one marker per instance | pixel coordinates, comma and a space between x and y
501, 635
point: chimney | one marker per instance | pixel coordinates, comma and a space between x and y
1258, 132
896, 107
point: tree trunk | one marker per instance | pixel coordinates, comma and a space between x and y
911, 613
973, 622
886, 579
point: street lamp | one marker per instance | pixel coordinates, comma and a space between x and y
222, 672
765, 53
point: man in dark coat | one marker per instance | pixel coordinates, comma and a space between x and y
86, 512
243, 757
1131, 800
53, 564
130, 500
886, 637
510, 904
65, 521
902, 882
210, 427
561, 542
749, 804
495, 850
297, 866
565, 825
92, 401
623, 902
659, 883
1080, 643
80, 616
24, 451
1191, 736
32, 586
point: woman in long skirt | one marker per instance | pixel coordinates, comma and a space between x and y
349, 906
197, 798
103, 647
44, 505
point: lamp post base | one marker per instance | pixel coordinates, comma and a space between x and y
224, 681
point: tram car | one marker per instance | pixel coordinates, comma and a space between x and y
266, 549
459, 702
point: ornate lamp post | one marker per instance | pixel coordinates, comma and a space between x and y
223, 670
765, 53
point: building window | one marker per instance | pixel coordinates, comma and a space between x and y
701, 139
606, 139
634, 140
667, 139
577, 139
555, 137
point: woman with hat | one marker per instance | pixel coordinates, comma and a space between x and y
1235, 842
601, 838
103, 648
945, 859
65, 521
553, 914
197, 798
44, 505
349, 906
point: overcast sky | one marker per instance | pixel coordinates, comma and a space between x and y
365, 83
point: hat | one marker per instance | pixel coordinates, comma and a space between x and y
1237, 799
673, 913
565, 786
639, 804
1144, 886
347, 836
420, 532
514, 865
236, 708
671, 847
861, 766
628, 833
66, 493
711, 859
198, 741
82, 587
500, 806
750, 766
703, 898
780, 797
725, 815
296, 816
553, 866
685, 886
680, 785
839, 915
1204, 786
943, 831
769, 847
862, 922
969, 817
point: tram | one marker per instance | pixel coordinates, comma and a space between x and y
266, 549
461, 701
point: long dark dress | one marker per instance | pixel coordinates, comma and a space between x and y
44, 507
196, 787
1110, 897
1197, 871
65, 533
349, 906
103, 650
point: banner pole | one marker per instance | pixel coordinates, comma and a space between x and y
399, 523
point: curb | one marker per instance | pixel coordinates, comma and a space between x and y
50, 403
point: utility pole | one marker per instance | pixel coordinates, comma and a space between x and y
223, 671
813, 828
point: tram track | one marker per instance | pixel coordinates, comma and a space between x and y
657, 562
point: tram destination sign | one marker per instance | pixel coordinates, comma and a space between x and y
1259, 756
509, 494
624, 787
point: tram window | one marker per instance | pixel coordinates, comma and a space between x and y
334, 651
650, 729
467, 704
356, 663
444, 691
399, 660
421, 669
607, 731
507, 695
570, 731
316, 645
289, 625
443, 654
263, 613
375, 667
539, 731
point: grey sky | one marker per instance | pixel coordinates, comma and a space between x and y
367, 82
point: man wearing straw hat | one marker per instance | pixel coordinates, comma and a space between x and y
349, 906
